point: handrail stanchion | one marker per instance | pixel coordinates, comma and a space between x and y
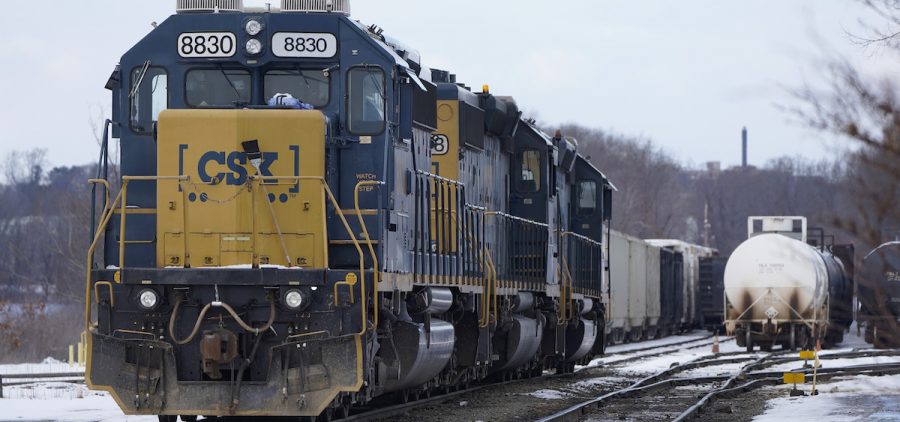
375, 268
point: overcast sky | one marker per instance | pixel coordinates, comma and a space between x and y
688, 74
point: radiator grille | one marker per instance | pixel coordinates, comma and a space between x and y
336, 6
189, 6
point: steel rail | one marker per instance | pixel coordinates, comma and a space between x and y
774, 378
652, 382
659, 346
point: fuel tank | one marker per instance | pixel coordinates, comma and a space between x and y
774, 277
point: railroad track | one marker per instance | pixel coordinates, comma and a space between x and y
644, 349
666, 397
665, 350
389, 411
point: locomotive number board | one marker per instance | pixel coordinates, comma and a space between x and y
304, 44
207, 44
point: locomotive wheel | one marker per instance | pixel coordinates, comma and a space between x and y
748, 341
168, 418
403, 397
876, 339
343, 409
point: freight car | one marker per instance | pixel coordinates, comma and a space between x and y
308, 218
879, 296
649, 296
711, 297
689, 316
781, 290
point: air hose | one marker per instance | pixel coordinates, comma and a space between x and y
206, 309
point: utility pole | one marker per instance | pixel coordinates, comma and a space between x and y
706, 225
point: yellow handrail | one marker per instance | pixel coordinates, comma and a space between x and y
106, 190
124, 213
565, 295
104, 220
340, 213
489, 264
121, 202
491, 283
362, 223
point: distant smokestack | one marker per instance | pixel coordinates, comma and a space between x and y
744, 138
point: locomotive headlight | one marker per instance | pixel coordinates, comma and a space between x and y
148, 299
253, 27
254, 47
294, 300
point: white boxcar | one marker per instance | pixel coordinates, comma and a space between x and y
692, 254
652, 293
637, 284
618, 281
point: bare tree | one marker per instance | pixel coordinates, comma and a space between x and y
864, 111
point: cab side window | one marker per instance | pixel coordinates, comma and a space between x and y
587, 197
529, 180
366, 101
149, 96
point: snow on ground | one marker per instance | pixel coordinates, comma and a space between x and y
834, 363
49, 400
693, 335
48, 366
622, 350
852, 399
712, 371
549, 394
100, 408
656, 364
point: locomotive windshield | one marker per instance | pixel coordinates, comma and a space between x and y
217, 87
309, 86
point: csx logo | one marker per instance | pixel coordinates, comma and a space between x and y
216, 167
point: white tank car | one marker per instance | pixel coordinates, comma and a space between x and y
781, 290
773, 277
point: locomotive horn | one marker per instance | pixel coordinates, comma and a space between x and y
254, 155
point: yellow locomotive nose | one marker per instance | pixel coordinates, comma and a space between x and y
253, 193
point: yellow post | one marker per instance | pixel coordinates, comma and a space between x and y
71, 355
816, 367
82, 356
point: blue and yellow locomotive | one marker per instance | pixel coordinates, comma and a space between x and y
307, 218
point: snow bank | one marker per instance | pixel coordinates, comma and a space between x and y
549, 394
858, 398
93, 408
49, 365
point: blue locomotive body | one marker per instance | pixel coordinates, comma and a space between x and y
307, 217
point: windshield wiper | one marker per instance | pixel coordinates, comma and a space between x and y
237, 93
